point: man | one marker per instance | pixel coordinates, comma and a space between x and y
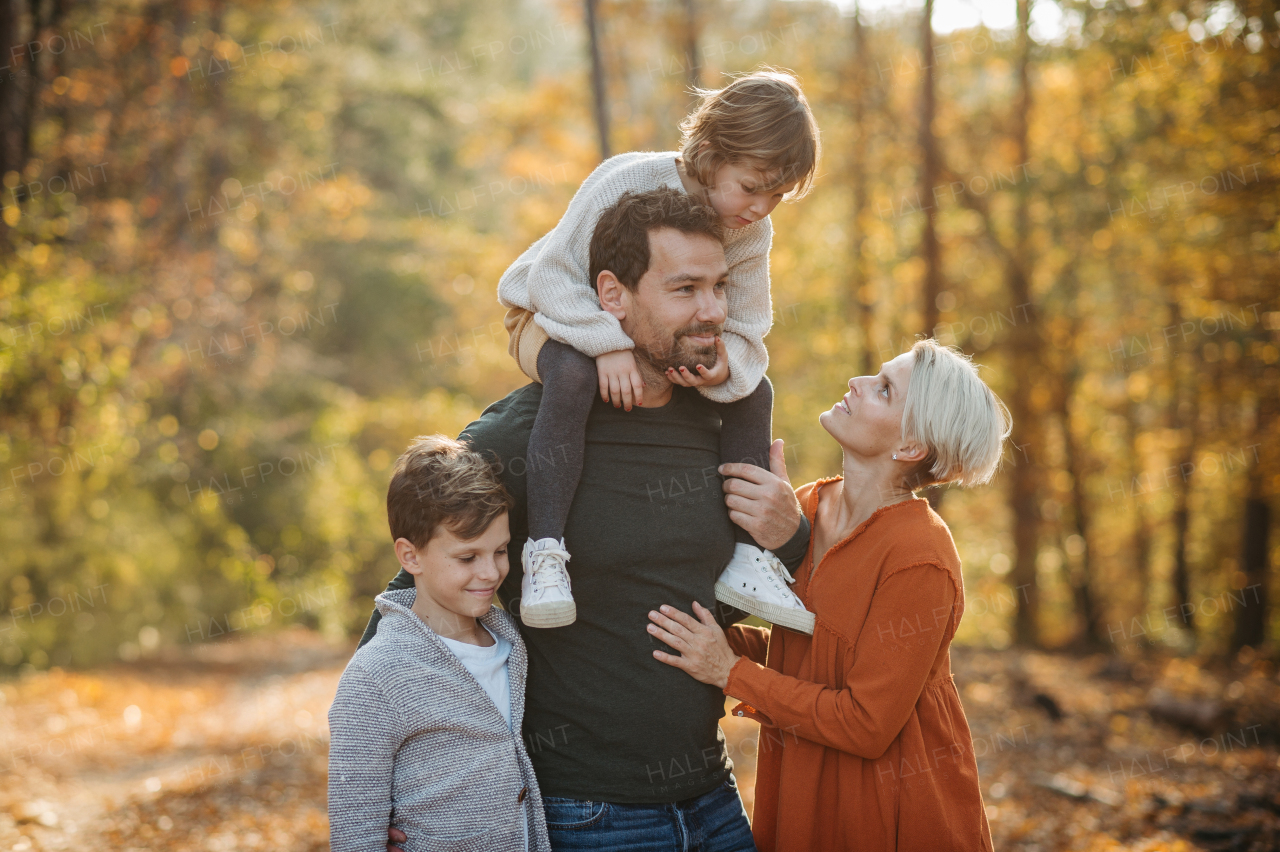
628, 751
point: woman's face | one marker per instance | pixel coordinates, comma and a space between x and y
867, 421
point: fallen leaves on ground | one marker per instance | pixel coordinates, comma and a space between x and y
224, 748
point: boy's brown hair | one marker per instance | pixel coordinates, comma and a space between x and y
620, 242
441, 481
760, 119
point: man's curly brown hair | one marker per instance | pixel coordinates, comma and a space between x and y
620, 242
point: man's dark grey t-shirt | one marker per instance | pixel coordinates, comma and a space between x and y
604, 720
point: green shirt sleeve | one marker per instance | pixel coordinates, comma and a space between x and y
792, 553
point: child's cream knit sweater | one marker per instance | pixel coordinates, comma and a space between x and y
551, 277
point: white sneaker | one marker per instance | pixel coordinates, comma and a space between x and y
756, 581
545, 596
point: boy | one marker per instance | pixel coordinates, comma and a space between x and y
414, 743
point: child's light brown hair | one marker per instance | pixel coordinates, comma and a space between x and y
442, 481
760, 119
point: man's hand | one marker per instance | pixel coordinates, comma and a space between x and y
619, 379
705, 654
395, 835
761, 501
718, 374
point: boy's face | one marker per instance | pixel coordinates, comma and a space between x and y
455, 578
737, 194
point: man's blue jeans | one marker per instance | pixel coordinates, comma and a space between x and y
713, 822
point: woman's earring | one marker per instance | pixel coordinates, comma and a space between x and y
895, 456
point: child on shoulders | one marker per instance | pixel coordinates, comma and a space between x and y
746, 147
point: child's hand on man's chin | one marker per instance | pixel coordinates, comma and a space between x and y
717, 374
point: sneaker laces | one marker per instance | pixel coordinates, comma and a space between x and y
775, 565
546, 569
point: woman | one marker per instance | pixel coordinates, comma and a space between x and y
863, 741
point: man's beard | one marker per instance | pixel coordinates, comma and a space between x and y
677, 351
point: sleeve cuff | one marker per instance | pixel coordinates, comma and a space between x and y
593, 335
741, 676
792, 553
735, 675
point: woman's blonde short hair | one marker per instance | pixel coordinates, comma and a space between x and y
959, 420
761, 119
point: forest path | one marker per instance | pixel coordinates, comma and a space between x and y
224, 747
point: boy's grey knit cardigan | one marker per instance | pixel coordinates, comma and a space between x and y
416, 743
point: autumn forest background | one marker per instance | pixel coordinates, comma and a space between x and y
248, 250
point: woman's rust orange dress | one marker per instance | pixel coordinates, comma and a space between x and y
863, 742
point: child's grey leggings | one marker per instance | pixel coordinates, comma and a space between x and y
569, 387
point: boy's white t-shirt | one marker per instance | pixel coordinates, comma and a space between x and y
490, 669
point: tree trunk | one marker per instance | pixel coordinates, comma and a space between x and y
861, 288
1026, 521
929, 170
180, 158
1251, 618
39, 22
1081, 573
61, 163
1141, 535
1255, 561
15, 116
1024, 352
1182, 415
693, 68
597, 80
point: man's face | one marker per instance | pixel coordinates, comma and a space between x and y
679, 306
